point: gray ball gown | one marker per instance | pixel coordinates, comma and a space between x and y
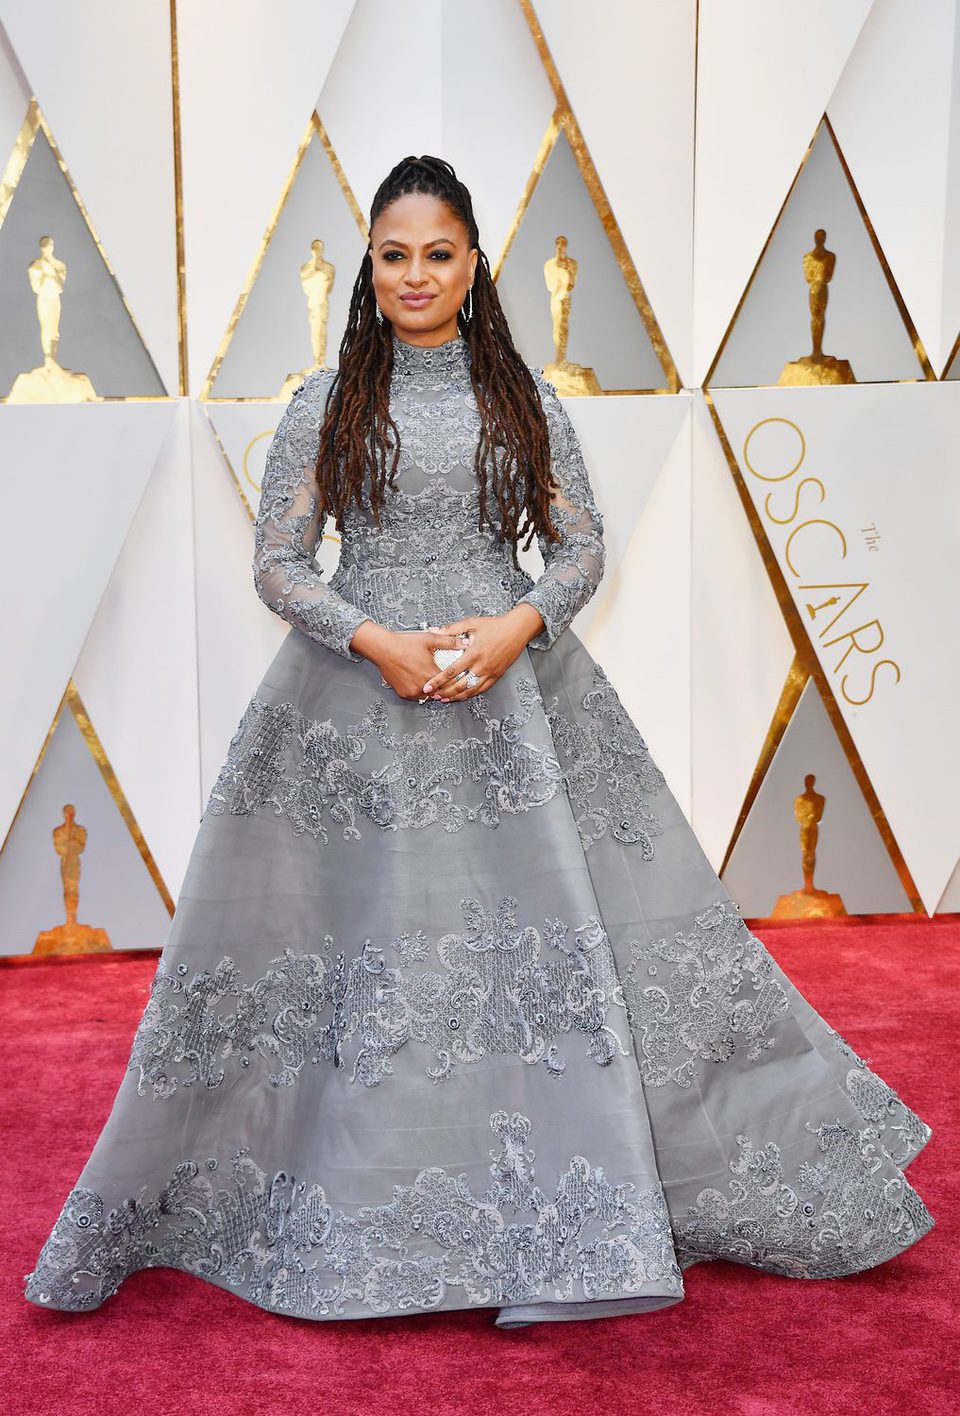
453, 1011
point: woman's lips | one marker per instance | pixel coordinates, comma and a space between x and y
416, 300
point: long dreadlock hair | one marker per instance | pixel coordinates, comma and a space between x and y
358, 434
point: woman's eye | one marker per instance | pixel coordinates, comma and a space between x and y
444, 255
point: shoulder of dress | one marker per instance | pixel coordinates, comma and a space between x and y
548, 393
549, 398
315, 387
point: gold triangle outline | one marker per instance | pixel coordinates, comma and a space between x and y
793, 685
184, 383
563, 119
314, 130
71, 699
916, 341
808, 662
954, 352
33, 123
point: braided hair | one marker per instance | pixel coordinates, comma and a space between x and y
358, 434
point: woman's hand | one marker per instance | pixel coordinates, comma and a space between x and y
493, 643
404, 657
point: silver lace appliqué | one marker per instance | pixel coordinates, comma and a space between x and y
307, 770
900, 1132
607, 769
497, 989
716, 995
834, 1218
280, 1243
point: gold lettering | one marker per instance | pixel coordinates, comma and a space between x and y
816, 521
804, 482
834, 600
873, 675
782, 477
851, 634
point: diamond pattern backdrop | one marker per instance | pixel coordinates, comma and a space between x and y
763, 202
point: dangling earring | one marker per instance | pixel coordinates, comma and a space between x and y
379, 313
468, 314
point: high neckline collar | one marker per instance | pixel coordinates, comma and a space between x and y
438, 363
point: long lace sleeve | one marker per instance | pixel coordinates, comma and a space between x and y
286, 576
572, 567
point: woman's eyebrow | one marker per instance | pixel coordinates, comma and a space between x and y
392, 241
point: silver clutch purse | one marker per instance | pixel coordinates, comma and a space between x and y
443, 658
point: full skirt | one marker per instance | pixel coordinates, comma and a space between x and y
454, 1012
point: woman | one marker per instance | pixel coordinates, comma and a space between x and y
453, 1010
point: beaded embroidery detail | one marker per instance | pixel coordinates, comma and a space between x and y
278, 1242
607, 769
834, 1218
428, 561
493, 992
901, 1133
306, 770
719, 996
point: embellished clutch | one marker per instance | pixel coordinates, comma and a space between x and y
443, 658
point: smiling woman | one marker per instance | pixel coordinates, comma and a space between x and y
419, 283
454, 1011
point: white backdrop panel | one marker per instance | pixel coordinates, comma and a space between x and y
641, 632
85, 467
891, 113
740, 646
137, 674
14, 93
237, 635
867, 489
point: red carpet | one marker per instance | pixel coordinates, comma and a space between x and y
884, 1341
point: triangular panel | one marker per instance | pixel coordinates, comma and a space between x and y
765, 72
820, 266
854, 494
120, 889
85, 468
292, 313
566, 251
851, 860
69, 335
630, 81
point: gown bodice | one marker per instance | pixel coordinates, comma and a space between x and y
428, 561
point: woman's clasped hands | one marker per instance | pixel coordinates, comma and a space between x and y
490, 643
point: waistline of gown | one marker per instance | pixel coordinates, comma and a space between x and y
414, 595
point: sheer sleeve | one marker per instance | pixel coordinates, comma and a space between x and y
285, 574
572, 567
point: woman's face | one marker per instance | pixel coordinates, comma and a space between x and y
419, 248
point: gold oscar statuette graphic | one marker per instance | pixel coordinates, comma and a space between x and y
817, 368
808, 902
69, 840
560, 274
316, 278
50, 383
